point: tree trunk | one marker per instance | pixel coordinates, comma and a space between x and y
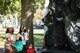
27, 15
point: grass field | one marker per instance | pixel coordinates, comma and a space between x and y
38, 37
38, 40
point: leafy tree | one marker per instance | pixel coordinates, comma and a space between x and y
27, 15
27, 8
9, 6
39, 4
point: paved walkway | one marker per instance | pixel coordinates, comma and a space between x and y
38, 49
1, 50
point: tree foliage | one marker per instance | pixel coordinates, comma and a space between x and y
9, 6
39, 4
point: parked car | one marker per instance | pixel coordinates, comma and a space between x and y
38, 26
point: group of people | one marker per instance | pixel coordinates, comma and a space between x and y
18, 43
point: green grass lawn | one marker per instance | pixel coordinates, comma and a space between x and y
38, 40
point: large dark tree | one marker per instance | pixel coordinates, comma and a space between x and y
27, 15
